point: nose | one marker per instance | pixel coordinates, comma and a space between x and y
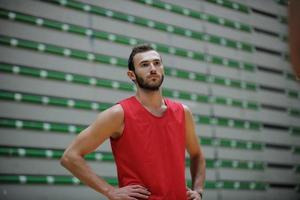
152, 69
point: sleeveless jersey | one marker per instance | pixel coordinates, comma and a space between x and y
151, 150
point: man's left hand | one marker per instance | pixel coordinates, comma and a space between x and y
193, 195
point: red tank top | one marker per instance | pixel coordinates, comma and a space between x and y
151, 150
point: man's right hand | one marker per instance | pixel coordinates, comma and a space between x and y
131, 192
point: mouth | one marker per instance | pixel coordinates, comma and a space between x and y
153, 77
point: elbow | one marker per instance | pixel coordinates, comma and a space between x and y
198, 158
64, 160
67, 159
202, 159
199, 155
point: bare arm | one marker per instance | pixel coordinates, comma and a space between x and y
197, 160
107, 124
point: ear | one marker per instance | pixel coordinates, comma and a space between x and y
131, 75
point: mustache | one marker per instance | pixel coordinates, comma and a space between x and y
153, 76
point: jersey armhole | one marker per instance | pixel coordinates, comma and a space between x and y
123, 131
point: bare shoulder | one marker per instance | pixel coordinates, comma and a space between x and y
116, 111
112, 117
189, 119
111, 120
187, 110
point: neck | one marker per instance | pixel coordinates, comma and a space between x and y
151, 99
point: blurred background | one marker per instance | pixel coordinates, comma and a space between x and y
64, 61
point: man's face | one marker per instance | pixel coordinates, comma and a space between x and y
148, 70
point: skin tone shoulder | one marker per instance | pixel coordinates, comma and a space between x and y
148, 76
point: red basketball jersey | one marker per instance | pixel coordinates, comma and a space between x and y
151, 150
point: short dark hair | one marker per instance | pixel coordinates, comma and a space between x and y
135, 50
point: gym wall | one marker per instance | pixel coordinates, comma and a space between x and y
64, 61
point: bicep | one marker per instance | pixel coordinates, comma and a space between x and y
192, 140
106, 124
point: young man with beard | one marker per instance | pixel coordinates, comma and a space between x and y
149, 135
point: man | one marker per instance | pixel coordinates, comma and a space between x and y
149, 135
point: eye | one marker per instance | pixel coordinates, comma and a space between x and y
157, 63
144, 64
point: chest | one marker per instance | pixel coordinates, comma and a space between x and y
157, 112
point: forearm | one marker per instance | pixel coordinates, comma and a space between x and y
197, 169
79, 168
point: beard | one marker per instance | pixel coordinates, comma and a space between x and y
142, 83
